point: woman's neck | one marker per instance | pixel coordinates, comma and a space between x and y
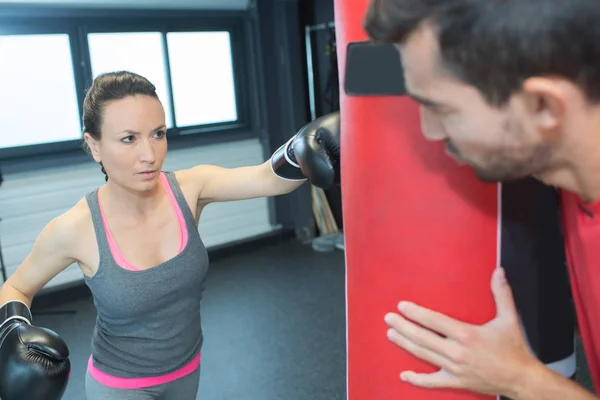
139, 205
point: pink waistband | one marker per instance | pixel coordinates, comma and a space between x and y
138, 383
183, 235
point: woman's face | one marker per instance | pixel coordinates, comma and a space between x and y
133, 145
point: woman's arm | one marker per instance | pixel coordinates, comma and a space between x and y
227, 184
312, 154
49, 256
37, 357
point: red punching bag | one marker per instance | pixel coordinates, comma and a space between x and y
417, 227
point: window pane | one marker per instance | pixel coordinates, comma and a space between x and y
141, 53
202, 77
37, 91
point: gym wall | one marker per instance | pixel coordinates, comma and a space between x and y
43, 180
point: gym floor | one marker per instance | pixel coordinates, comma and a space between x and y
274, 323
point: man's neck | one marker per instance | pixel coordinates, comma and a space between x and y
580, 171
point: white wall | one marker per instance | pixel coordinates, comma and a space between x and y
29, 200
139, 4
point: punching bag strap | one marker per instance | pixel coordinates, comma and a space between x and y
373, 69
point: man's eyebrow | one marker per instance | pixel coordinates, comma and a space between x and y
423, 101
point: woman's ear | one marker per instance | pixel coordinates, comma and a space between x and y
93, 146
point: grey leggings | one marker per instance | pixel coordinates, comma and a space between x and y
185, 388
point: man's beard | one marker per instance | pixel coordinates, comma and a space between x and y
504, 167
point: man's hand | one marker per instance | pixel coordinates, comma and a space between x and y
490, 359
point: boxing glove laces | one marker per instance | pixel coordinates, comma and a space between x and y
34, 361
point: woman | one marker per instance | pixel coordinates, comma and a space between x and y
136, 241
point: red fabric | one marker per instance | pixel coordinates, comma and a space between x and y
581, 224
417, 227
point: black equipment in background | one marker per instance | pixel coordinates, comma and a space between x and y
324, 98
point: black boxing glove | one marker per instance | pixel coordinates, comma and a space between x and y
34, 362
313, 153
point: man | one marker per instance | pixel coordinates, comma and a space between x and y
513, 89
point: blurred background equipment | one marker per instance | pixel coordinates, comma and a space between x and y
323, 94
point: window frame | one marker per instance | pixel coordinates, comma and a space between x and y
78, 23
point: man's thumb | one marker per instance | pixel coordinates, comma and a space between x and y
505, 305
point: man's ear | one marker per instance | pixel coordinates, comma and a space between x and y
546, 100
93, 147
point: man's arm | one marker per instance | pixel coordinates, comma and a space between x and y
544, 384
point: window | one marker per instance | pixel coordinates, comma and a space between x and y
38, 97
47, 65
141, 53
202, 77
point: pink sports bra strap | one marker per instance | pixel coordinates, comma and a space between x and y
183, 234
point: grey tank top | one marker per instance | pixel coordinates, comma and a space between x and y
148, 321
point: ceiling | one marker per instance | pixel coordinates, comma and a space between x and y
137, 4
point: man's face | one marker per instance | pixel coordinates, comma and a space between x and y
498, 143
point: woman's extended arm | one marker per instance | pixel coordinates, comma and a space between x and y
312, 154
227, 184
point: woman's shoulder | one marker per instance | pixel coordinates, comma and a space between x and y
74, 223
187, 179
64, 234
181, 175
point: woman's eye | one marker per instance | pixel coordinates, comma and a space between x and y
160, 134
127, 139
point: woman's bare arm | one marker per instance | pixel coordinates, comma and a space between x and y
224, 184
50, 255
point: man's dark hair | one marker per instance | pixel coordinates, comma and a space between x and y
495, 45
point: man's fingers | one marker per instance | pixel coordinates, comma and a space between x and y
419, 351
440, 379
505, 305
423, 337
434, 320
